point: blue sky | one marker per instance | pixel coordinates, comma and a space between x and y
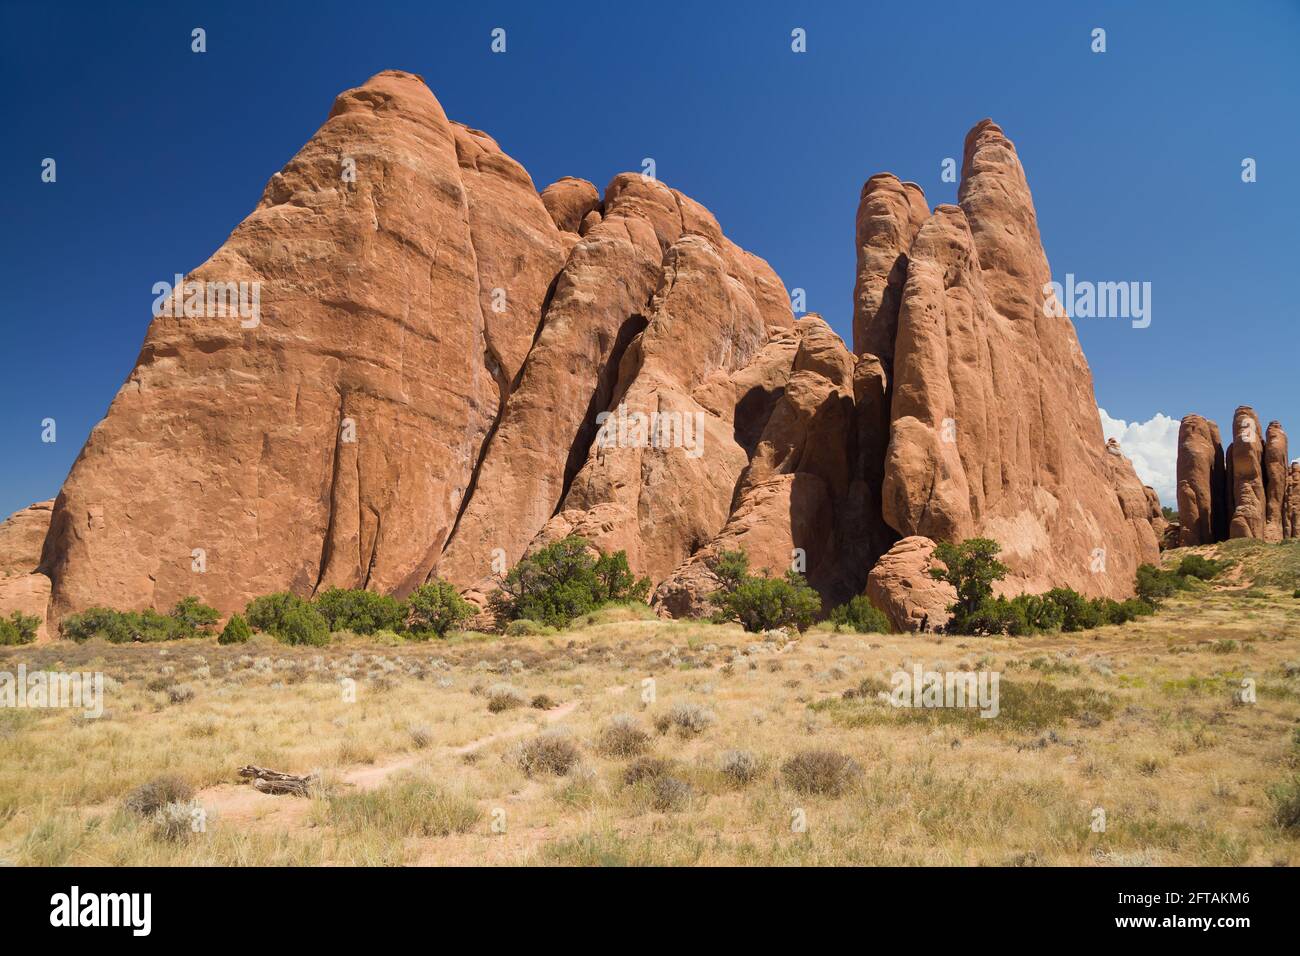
1134, 157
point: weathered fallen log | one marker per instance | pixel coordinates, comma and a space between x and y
275, 782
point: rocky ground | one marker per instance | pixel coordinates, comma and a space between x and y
486, 750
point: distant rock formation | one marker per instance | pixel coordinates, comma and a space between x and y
1202, 483
1291, 502
1238, 494
449, 370
1275, 481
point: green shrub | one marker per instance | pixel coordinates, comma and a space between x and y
288, 618
303, 625
731, 568
265, 613
435, 608
194, 617
1042, 614
995, 616
1077, 612
236, 631
18, 628
971, 568
1196, 566
1154, 584
94, 622
860, 615
761, 604
563, 580
1136, 608
359, 611
615, 581
1108, 611
122, 627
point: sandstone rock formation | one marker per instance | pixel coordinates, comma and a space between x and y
1202, 483
793, 494
21, 536
1291, 502
22, 587
449, 369
900, 586
1240, 494
994, 428
1156, 514
1275, 480
1245, 459
334, 442
569, 201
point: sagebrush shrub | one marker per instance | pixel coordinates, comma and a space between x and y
646, 768
551, 752
148, 798
622, 736
670, 794
503, 697
689, 719
739, 766
820, 772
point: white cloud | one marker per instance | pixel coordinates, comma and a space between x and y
1153, 447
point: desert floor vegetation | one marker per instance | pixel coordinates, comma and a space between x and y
625, 739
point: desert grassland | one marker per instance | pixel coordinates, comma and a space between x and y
1141, 720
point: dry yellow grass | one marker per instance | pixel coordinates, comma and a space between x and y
1140, 721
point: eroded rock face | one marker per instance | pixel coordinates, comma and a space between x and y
654, 308
1202, 483
332, 442
447, 370
1156, 515
1245, 461
569, 201
1275, 480
22, 588
994, 426
1243, 494
775, 516
662, 469
1291, 502
788, 495
22, 535
900, 586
